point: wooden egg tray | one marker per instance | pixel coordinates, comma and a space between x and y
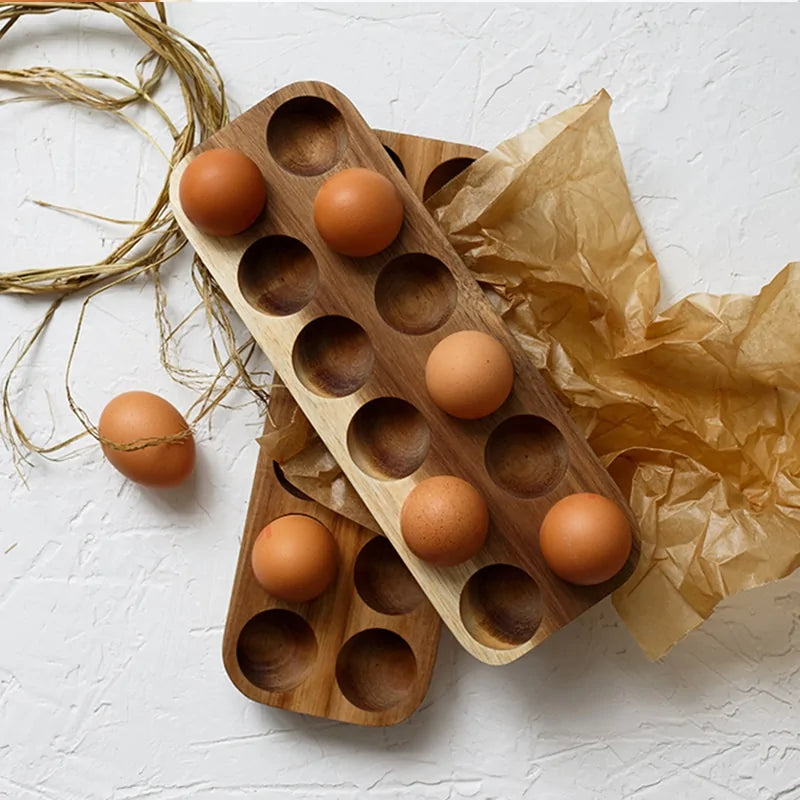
264, 652
350, 337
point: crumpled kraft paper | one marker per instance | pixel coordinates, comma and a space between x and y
695, 412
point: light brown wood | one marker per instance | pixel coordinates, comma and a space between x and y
296, 136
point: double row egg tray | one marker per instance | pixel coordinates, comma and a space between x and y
350, 338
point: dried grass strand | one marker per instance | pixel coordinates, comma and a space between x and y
155, 239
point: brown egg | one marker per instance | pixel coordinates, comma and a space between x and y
585, 539
222, 192
135, 416
358, 212
469, 374
294, 558
444, 520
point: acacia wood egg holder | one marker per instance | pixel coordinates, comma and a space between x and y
350, 338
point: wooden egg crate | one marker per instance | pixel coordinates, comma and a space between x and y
350, 338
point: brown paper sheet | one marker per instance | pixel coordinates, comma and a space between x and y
695, 411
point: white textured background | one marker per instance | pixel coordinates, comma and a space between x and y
113, 600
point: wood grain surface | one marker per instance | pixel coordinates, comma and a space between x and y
340, 352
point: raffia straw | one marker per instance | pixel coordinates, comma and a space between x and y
154, 240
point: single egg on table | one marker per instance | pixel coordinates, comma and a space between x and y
469, 374
222, 192
585, 538
135, 417
294, 558
444, 520
358, 212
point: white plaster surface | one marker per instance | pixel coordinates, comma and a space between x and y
113, 599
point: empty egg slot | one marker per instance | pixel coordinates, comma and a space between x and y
307, 135
388, 438
276, 650
501, 606
383, 581
415, 293
376, 669
333, 356
443, 174
278, 275
526, 455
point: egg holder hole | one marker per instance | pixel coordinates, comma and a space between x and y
333, 356
276, 650
376, 669
278, 275
383, 581
501, 606
307, 136
388, 438
526, 455
415, 293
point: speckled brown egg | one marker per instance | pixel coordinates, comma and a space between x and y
294, 558
222, 192
358, 212
444, 520
134, 417
585, 539
469, 374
